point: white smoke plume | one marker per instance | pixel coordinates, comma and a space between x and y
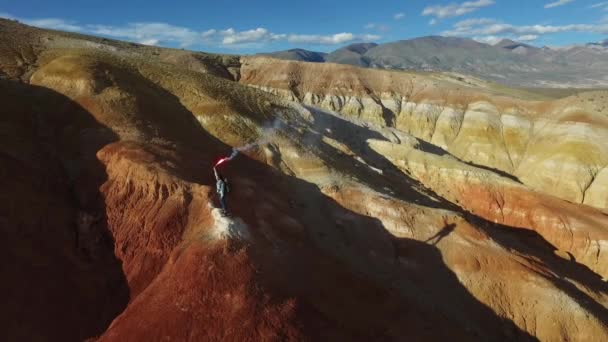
267, 133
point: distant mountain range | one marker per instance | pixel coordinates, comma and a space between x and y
507, 61
300, 55
603, 43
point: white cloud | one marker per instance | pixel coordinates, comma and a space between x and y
49, 23
496, 39
488, 30
159, 32
601, 5
208, 33
232, 37
399, 16
455, 10
488, 39
368, 37
151, 41
527, 38
377, 27
163, 33
339, 38
484, 27
6, 16
54, 24
472, 22
433, 21
558, 3
261, 35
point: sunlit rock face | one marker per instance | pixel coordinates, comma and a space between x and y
557, 147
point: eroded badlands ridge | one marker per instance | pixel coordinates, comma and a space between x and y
347, 226
557, 147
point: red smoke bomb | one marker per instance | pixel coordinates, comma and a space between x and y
234, 153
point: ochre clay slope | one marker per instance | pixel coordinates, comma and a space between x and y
554, 146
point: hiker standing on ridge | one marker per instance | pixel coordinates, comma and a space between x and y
221, 187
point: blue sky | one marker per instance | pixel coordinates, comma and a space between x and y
251, 26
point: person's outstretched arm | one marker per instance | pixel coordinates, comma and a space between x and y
217, 177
